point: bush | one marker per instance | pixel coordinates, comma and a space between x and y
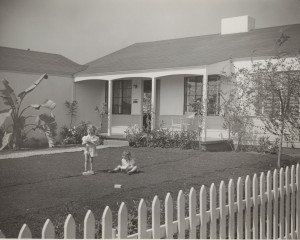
74, 134
161, 137
135, 136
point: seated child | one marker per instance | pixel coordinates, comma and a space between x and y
90, 152
128, 164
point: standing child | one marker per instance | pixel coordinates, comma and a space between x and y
90, 152
128, 164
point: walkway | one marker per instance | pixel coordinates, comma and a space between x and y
29, 153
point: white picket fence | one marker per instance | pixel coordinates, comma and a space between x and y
266, 207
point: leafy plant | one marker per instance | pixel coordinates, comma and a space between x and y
72, 108
74, 134
17, 113
101, 112
135, 136
161, 137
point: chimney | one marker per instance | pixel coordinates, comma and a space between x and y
237, 24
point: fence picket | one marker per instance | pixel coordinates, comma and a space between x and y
223, 212
48, 230
203, 215
122, 221
69, 228
281, 204
287, 203
181, 214
2, 234
262, 206
25, 232
142, 220
231, 220
269, 205
248, 208
192, 214
213, 212
107, 223
298, 201
89, 226
155, 218
293, 209
169, 216
275, 206
240, 209
255, 206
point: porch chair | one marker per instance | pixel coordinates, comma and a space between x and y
186, 121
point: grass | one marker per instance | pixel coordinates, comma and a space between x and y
52, 186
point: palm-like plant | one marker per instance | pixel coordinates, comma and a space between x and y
16, 113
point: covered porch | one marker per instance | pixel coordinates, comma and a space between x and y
166, 95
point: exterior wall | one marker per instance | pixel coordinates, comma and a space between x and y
90, 94
57, 88
136, 103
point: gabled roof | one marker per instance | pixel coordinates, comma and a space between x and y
12, 59
196, 51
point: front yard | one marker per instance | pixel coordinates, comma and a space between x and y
52, 186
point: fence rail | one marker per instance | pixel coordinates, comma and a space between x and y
267, 206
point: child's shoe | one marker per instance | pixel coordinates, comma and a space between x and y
91, 172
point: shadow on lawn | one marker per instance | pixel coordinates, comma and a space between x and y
109, 172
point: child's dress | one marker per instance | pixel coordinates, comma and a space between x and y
91, 141
127, 165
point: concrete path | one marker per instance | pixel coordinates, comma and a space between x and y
21, 154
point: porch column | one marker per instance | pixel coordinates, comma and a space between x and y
153, 104
109, 108
204, 101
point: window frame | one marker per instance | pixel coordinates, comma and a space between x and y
121, 98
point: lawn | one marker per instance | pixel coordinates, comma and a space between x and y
51, 186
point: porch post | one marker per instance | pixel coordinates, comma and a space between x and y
204, 101
109, 108
153, 104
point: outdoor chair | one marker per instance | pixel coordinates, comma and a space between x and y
184, 123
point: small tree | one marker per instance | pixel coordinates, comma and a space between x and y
235, 113
15, 111
197, 107
273, 88
101, 112
72, 110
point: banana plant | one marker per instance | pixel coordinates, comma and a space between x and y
14, 110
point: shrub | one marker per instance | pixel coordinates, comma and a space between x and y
74, 134
135, 136
161, 137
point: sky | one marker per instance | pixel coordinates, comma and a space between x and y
84, 30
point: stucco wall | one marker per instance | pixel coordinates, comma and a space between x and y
89, 94
57, 88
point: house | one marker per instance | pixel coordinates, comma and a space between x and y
171, 74
176, 72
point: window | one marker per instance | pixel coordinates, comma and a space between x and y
193, 89
122, 96
213, 95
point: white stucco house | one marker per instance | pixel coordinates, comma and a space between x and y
173, 72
